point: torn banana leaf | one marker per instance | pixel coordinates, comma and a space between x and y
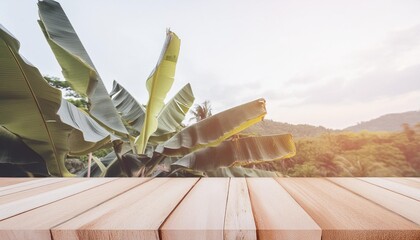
212, 131
158, 85
130, 110
87, 136
239, 152
172, 115
76, 65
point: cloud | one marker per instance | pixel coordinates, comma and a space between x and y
386, 70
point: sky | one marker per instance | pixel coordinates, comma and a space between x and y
327, 62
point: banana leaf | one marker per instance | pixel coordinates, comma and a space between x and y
171, 116
237, 152
28, 106
13, 151
158, 85
87, 135
96, 170
241, 172
76, 64
214, 130
130, 110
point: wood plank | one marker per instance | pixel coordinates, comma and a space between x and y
417, 179
405, 181
395, 187
345, 215
136, 214
277, 214
201, 214
404, 206
36, 224
38, 190
37, 200
23, 186
239, 220
11, 181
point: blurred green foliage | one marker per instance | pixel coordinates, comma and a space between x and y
348, 154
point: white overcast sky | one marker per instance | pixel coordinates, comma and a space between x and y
327, 62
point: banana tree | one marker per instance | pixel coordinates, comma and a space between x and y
163, 146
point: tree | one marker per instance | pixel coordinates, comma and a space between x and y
202, 111
70, 95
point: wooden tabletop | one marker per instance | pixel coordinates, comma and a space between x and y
209, 208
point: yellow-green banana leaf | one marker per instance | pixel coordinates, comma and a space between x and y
214, 130
172, 115
158, 85
242, 151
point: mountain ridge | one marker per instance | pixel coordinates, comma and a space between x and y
386, 123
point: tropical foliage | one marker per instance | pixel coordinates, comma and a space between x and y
354, 154
146, 140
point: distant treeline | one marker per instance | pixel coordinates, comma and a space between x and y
340, 154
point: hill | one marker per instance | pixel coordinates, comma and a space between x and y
387, 123
269, 127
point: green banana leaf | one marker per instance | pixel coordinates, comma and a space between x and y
29, 105
130, 110
87, 135
214, 130
13, 151
242, 151
76, 64
171, 116
241, 172
158, 85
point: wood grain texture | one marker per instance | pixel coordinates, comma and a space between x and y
277, 214
13, 208
405, 181
12, 181
135, 214
210, 208
239, 220
37, 190
395, 202
26, 185
201, 214
400, 188
345, 215
416, 179
36, 224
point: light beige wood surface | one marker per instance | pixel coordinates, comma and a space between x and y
37, 190
277, 214
239, 220
406, 181
397, 187
201, 214
345, 215
135, 214
12, 181
210, 208
416, 179
27, 203
395, 202
36, 224
26, 185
